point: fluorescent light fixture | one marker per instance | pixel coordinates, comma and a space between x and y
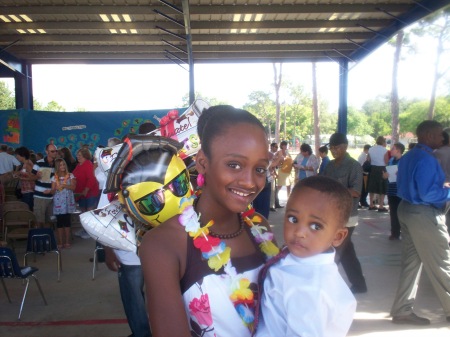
332, 29
253, 30
21, 31
15, 18
32, 31
333, 16
248, 17
26, 17
115, 17
41, 31
4, 18
321, 30
243, 31
356, 15
133, 31
104, 17
123, 31
113, 31
237, 17
126, 17
259, 17
342, 29
233, 31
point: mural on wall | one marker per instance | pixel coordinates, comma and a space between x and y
11, 133
72, 129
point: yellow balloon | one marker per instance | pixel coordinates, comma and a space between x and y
151, 202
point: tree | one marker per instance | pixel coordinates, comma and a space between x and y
263, 107
54, 106
277, 84
315, 108
436, 25
211, 100
358, 123
7, 100
394, 93
379, 116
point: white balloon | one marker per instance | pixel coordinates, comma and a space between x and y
111, 226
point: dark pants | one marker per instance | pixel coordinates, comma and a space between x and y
364, 192
131, 283
393, 202
277, 201
346, 255
262, 201
28, 199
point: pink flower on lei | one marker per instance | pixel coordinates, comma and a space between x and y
200, 309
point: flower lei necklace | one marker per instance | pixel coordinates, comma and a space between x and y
57, 178
219, 255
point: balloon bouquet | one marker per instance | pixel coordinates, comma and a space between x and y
148, 179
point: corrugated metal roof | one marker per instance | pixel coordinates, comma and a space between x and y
154, 31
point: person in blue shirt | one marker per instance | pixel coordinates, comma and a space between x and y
323, 153
420, 185
393, 199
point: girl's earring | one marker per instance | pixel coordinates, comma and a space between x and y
200, 180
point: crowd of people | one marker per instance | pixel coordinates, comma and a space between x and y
224, 273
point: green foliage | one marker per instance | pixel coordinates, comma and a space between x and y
7, 100
379, 116
413, 116
328, 122
262, 106
211, 100
358, 123
417, 112
37, 105
53, 106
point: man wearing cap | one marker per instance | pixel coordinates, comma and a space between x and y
347, 171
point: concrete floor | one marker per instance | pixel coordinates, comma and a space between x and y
80, 306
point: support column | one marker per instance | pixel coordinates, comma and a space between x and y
24, 88
343, 86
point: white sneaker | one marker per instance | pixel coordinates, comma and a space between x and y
85, 236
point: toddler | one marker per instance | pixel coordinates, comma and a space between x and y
301, 290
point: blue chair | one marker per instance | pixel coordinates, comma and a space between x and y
9, 268
41, 241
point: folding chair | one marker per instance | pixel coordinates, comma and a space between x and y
41, 241
12, 206
17, 223
9, 268
99, 256
10, 188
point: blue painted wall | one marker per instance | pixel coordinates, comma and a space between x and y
35, 129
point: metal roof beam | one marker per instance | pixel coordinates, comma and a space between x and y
198, 48
212, 38
206, 9
197, 55
197, 25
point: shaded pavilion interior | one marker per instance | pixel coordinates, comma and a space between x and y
197, 31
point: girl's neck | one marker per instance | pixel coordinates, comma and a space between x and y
211, 210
